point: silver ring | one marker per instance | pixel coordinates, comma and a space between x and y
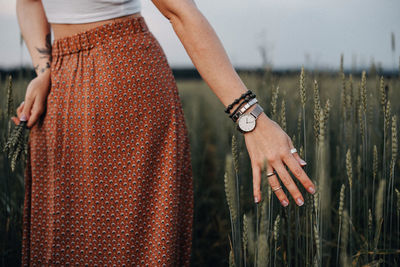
276, 189
293, 150
271, 173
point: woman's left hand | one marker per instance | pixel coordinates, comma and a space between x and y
269, 142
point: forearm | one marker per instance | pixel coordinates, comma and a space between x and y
35, 30
206, 51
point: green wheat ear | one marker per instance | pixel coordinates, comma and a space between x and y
15, 144
230, 185
302, 87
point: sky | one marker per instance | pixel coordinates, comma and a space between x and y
313, 33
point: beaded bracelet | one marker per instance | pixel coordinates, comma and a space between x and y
246, 100
228, 108
236, 116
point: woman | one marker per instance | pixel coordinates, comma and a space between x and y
109, 179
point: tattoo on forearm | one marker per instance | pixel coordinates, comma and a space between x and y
39, 69
46, 51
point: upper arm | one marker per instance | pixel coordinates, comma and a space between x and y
174, 8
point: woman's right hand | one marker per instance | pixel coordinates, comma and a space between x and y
35, 100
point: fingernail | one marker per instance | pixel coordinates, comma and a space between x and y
303, 162
256, 199
300, 202
22, 118
311, 190
284, 203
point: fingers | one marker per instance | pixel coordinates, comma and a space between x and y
26, 110
20, 108
256, 183
36, 111
297, 171
31, 109
295, 164
292, 160
296, 155
274, 183
289, 183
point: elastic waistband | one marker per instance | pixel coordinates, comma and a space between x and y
92, 37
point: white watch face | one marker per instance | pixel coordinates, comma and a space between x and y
247, 122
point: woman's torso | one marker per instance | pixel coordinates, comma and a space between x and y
74, 16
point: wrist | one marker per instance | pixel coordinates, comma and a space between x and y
247, 120
44, 76
237, 102
43, 69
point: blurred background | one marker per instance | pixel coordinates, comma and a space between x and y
290, 33
341, 111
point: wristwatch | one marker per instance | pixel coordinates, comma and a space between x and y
247, 122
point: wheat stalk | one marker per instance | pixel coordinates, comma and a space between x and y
302, 87
10, 98
276, 234
303, 99
235, 154
229, 182
231, 259
340, 213
350, 96
379, 201
276, 227
317, 244
345, 238
341, 69
326, 111
364, 91
370, 221
283, 115
15, 143
245, 237
343, 96
379, 212
392, 167
374, 170
387, 114
349, 169
231, 197
274, 102
317, 109
382, 93
394, 144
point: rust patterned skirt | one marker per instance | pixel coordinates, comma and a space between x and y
109, 177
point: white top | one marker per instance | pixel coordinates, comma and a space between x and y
84, 11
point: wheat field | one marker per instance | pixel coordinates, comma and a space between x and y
344, 124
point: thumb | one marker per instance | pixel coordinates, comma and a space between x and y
26, 111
